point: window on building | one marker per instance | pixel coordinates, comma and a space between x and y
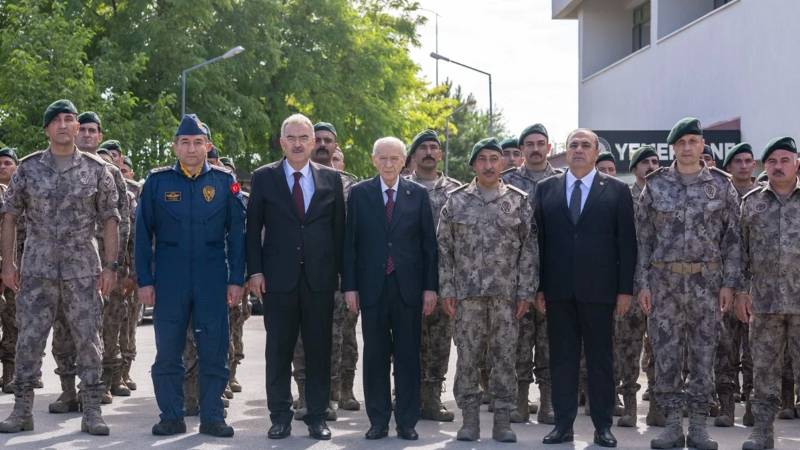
641, 26
718, 3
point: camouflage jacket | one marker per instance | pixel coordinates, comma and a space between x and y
693, 223
771, 254
134, 188
439, 193
475, 259
124, 208
526, 179
348, 180
61, 210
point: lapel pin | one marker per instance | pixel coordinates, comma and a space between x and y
408, 192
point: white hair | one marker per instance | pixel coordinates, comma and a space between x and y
389, 141
296, 119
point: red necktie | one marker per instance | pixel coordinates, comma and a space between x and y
389, 210
297, 195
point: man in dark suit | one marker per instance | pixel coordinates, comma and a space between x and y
587, 246
295, 230
390, 271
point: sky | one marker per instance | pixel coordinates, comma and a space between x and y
533, 59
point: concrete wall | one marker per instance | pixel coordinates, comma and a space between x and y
673, 14
605, 33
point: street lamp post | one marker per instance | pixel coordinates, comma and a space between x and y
436, 50
437, 57
447, 139
229, 54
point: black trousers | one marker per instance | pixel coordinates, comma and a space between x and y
391, 331
570, 324
311, 314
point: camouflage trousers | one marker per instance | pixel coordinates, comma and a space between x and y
684, 328
629, 331
435, 342
733, 355
115, 317
349, 346
481, 323
340, 315
40, 304
648, 361
771, 336
237, 315
127, 336
8, 321
533, 355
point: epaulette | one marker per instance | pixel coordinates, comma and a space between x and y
348, 174
754, 190
517, 190
559, 170
27, 157
221, 169
659, 170
160, 170
509, 170
453, 191
720, 172
96, 158
133, 182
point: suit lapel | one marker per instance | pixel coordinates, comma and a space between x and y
279, 179
598, 186
561, 197
401, 198
376, 200
319, 186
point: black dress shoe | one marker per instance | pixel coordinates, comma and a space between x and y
319, 431
376, 432
216, 429
169, 427
604, 438
559, 435
407, 433
279, 431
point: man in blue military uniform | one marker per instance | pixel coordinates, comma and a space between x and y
189, 250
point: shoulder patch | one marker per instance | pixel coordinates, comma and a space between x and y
753, 191
453, 191
653, 173
30, 156
513, 188
720, 172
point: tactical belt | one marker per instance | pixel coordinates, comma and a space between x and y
686, 267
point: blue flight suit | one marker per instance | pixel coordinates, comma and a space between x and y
190, 246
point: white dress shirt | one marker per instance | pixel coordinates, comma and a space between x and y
586, 186
384, 187
306, 181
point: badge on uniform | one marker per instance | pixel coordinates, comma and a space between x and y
208, 193
172, 196
760, 207
506, 207
711, 191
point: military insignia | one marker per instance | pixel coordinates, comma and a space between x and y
710, 190
235, 188
760, 207
172, 196
506, 207
208, 193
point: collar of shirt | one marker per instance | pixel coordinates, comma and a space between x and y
191, 175
384, 187
585, 181
289, 171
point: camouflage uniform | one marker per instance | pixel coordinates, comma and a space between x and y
237, 315
488, 260
8, 322
127, 338
689, 247
770, 231
60, 264
533, 325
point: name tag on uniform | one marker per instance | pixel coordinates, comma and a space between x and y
172, 196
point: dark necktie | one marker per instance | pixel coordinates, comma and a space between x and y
389, 211
575, 202
297, 196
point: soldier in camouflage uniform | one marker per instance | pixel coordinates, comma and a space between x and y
8, 308
344, 348
512, 155
488, 276
64, 194
770, 296
127, 339
740, 164
689, 264
535, 144
437, 328
64, 350
629, 331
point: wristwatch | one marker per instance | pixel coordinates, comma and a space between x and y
112, 266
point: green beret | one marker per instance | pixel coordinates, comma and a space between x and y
89, 117
423, 136
55, 108
325, 126
779, 143
641, 154
743, 147
226, 161
687, 125
10, 152
484, 144
511, 142
127, 161
606, 156
535, 128
111, 145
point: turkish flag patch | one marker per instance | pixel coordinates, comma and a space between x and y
235, 188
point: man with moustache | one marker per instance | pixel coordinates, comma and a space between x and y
8, 307
295, 231
535, 144
512, 155
437, 328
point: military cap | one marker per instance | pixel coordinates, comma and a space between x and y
213, 153
511, 142
743, 147
10, 152
641, 154
55, 108
762, 177
191, 126
779, 143
226, 161
707, 150
687, 125
423, 136
484, 144
127, 161
325, 126
606, 156
111, 145
89, 117
535, 128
